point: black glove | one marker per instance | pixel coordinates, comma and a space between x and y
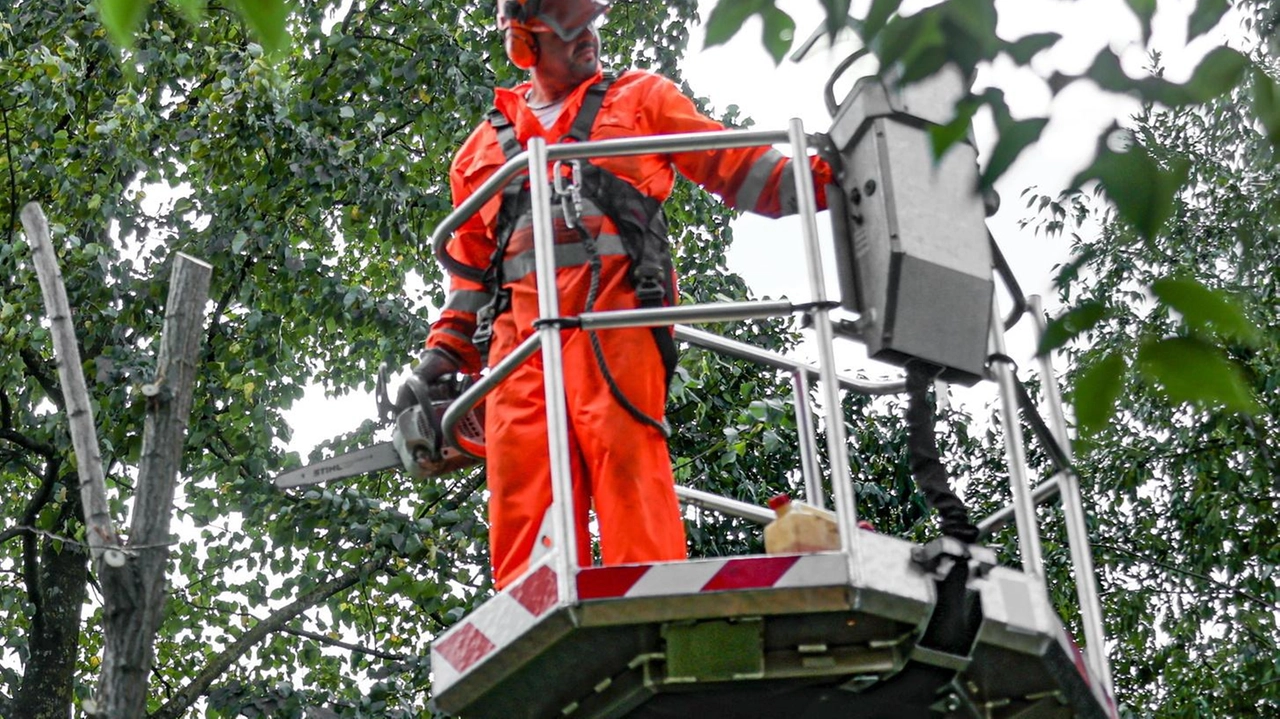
434, 365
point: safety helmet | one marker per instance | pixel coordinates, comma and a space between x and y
521, 20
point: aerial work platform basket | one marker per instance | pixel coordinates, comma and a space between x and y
876, 627
761, 636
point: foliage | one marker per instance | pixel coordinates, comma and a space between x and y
1173, 376
1184, 492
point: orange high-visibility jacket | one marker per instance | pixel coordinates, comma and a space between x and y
618, 463
638, 104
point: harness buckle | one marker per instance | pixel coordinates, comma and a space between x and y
649, 287
485, 317
573, 191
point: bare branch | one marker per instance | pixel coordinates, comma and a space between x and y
12, 225
30, 545
35, 368
44, 450
315, 636
200, 683
84, 439
134, 591
1173, 569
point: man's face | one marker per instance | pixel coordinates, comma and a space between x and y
568, 61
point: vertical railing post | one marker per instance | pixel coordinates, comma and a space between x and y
1095, 634
813, 493
837, 448
1024, 510
562, 526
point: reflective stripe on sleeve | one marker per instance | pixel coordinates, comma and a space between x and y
465, 339
567, 255
748, 196
470, 301
787, 202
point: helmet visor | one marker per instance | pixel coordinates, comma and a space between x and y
566, 18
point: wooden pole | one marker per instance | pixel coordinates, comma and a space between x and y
134, 594
100, 532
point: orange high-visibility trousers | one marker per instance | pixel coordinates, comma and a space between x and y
620, 466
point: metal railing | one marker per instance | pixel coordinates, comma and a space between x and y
534, 163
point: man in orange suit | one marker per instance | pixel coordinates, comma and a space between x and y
611, 253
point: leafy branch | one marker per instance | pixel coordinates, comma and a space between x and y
1175, 569
199, 685
330, 641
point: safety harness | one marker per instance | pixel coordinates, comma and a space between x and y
639, 219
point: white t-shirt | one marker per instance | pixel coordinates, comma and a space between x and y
547, 114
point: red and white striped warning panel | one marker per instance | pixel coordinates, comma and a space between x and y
512, 612
496, 623
1105, 700
712, 575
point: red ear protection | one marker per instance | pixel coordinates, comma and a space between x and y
522, 47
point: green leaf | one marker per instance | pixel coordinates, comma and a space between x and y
122, 19
1024, 49
1074, 323
1266, 105
268, 20
942, 137
727, 17
917, 42
779, 31
1142, 190
1014, 137
877, 16
1096, 392
1216, 74
1207, 310
1205, 17
1195, 372
1145, 10
837, 15
976, 21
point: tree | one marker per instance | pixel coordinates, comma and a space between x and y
1184, 492
308, 174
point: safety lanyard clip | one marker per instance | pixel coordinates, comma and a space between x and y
571, 191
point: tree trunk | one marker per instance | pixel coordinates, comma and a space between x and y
47, 679
133, 577
134, 590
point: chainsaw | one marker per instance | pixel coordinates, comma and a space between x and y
417, 437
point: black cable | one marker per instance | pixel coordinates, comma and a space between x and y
926, 465
593, 288
1041, 430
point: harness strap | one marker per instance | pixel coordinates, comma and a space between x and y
639, 219
580, 131
643, 228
